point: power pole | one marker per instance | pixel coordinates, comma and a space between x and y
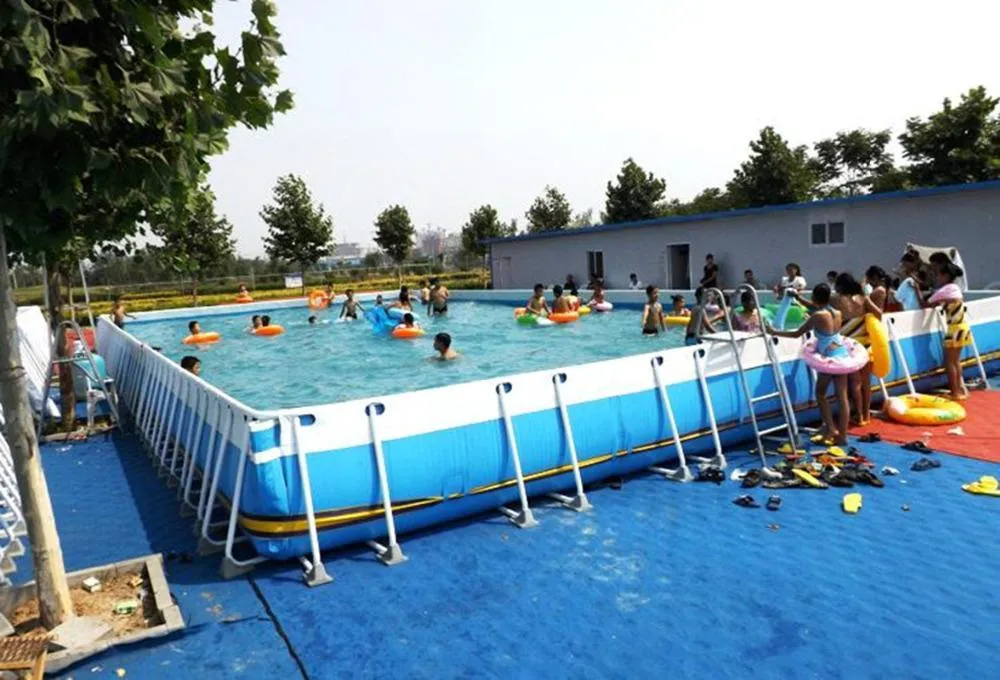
54, 603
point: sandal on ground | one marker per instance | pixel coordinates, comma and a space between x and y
925, 464
751, 479
918, 446
868, 477
833, 477
774, 503
870, 438
711, 474
889, 471
746, 502
789, 483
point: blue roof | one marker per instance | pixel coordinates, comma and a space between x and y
765, 210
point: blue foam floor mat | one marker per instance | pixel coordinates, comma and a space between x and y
660, 579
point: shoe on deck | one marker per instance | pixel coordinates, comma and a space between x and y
851, 503
986, 485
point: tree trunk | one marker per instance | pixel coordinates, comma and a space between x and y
55, 605
66, 394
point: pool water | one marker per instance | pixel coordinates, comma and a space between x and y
332, 361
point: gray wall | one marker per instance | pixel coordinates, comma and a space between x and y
876, 232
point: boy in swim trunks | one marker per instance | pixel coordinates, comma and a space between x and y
678, 308
560, 303
652, 313
537, 304
351, 306
442, 345
439, 298
699, 322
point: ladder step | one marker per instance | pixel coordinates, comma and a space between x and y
771, 430
765, 397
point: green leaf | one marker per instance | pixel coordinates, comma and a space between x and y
148, 23
35, 37
284, 101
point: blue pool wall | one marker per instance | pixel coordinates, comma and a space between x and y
614, 409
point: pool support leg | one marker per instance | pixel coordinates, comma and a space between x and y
391, 554
523, 519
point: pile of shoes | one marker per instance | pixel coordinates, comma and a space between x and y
818, 469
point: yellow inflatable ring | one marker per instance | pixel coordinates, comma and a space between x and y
923, 409
677, 320
273, 329
202, 338
881, 357
318, 299
584, 310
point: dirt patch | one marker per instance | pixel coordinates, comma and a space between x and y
101, 605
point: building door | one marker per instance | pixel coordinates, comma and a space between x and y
678, 266
595, 264
501, 272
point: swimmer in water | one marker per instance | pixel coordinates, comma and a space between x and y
408, 321
194, 328
700, 322
312, 320
118, 313
378, 300
191, 364
597, 297
265, 321
678, 308
537, 304
425, 292
403, 301
652, 313
254, 322
442, 345
560, 303
439, 298
351, 306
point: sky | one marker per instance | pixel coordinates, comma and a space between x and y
445, 105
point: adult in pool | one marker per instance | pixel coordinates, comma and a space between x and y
597, 297
439, 298
537, 304
677, 306
442, 345
700, 322
652, 313
825, 323
402, 301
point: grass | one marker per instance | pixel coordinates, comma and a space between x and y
147, 301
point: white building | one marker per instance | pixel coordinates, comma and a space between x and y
844, 234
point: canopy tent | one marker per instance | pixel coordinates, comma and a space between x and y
925, 253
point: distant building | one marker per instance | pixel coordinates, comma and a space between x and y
842, 234
344, 255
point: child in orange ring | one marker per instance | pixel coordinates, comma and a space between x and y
958, 335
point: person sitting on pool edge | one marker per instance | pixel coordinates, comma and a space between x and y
350, 308
678, 308
537, 304
560, 303
442, 345
191, 364
699, 322
652, 313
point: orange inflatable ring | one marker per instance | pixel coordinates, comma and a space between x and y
318, 299
407, 333
564, 317
202, 338
273, 329
243, 299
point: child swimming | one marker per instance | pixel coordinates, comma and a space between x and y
118, 313
700, 322
537, 304
350, 308
408, 321
560, 303
597, 297
194, 328
748, 318
265, 321
442, 345
825, 324
677, 306
191, 364
652, 313
958, 336
312, 320
254, 322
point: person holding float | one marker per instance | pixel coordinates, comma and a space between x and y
597, 301
243, 296
268, 329
562, 312
958, 336
197, 337
535, 311
860, 312
408, 329
833, 357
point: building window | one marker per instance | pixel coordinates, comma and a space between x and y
827, 234
595, 264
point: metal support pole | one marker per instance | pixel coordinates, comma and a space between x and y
578, 502
682, 473
391, 554
316, 575
899, 355
524, 519
720, 458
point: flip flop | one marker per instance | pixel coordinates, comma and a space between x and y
870, 438
889, 471
868, 477
834, 478
917, 446
836, 451
808, 479
746, 502
711, 474
787, 450
751, 479
792, 483
774, 503
925, 464
818, 438
851, 503
986, 485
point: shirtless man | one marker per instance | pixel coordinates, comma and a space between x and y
439, 298
118, 313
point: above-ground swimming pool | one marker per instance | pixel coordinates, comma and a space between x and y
335, 361
377, 438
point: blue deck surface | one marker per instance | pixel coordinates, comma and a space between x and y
661, 579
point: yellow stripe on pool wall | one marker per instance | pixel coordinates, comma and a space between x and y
328, 519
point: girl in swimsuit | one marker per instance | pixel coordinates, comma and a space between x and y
959, 335
825, 325
854, 306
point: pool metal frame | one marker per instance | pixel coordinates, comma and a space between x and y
192, 408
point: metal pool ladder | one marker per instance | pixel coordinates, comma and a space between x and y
790, 425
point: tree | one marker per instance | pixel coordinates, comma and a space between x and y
851, 163
297, 231
549, 212
483, 224
583, 219
195, 239
774, 174
109, 108
957, 144
634, 196
394, 233
707, 200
